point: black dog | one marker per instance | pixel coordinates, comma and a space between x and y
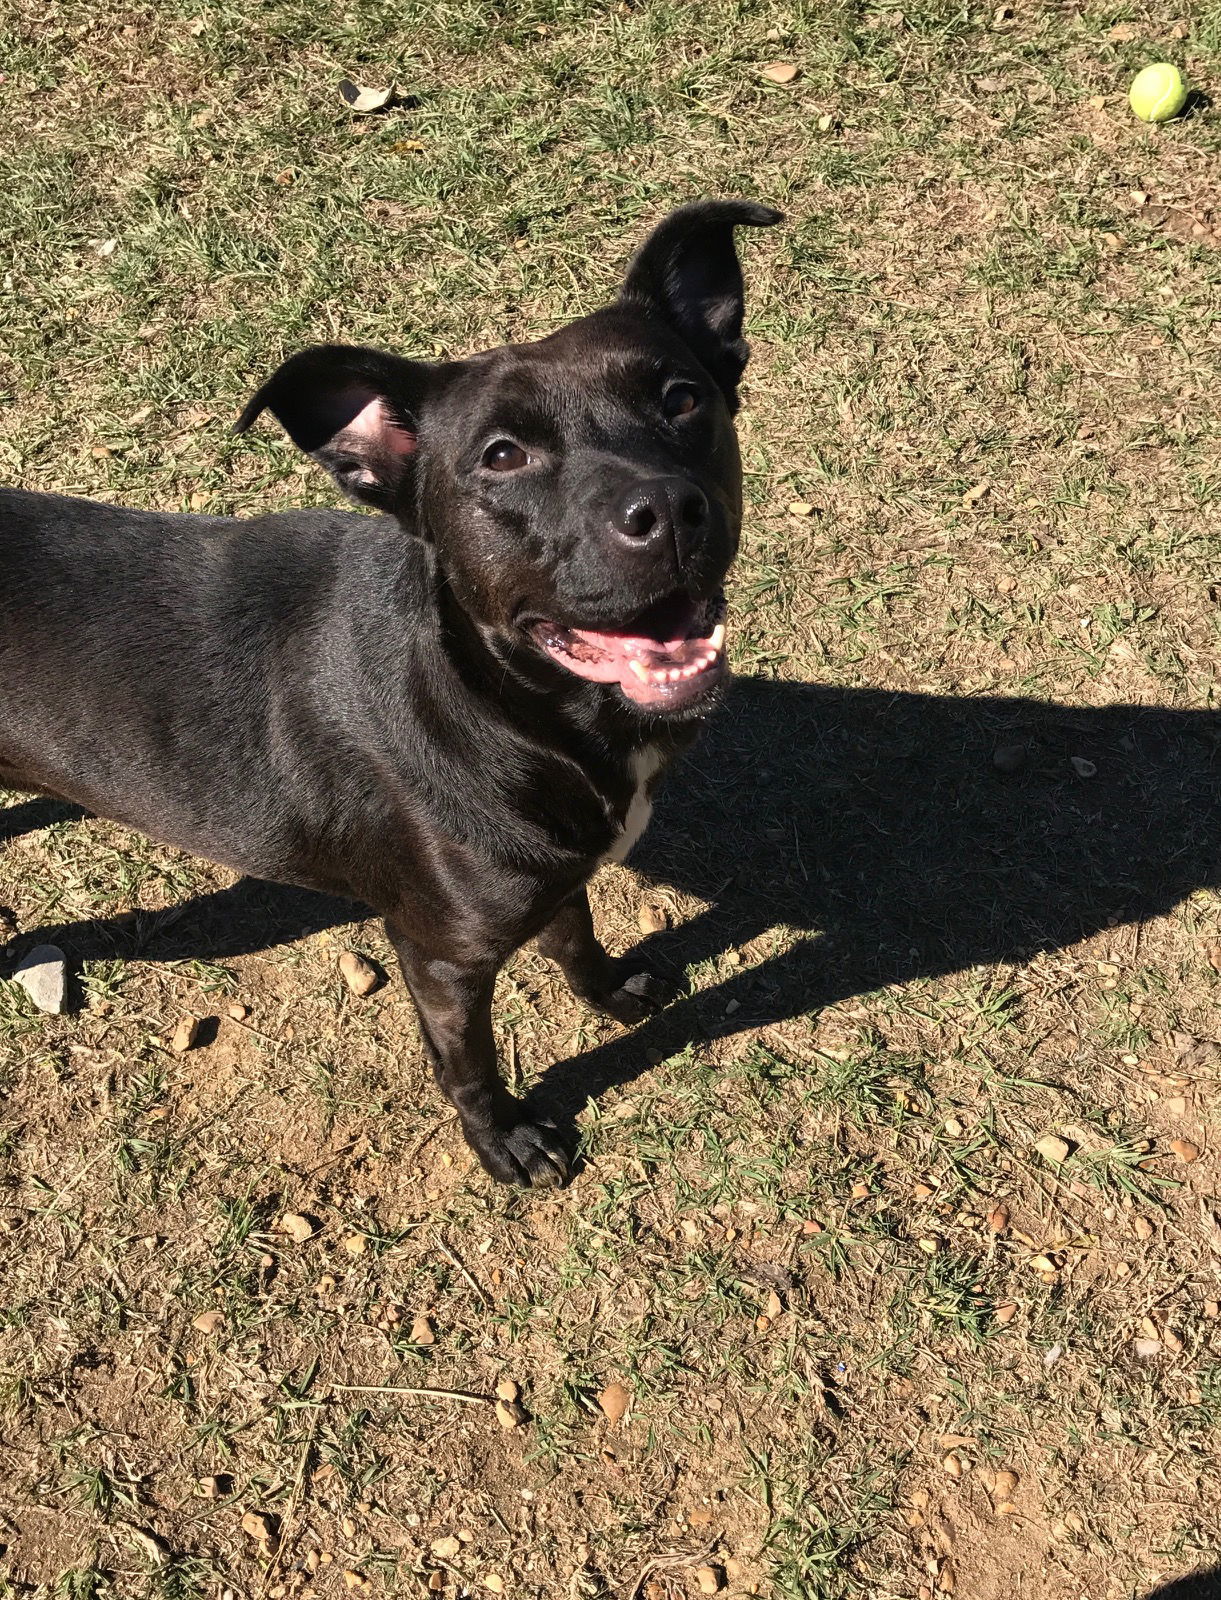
453, 713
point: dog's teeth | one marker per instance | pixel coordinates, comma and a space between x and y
717, 637
639, 668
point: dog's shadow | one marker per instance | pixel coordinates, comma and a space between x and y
891, 837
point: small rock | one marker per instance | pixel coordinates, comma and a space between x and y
1010, 757
998, 1218
1004, 1482
709, 1580
1148, 1347
436, 1582
1082, 767
217, 1486
43, 974
494, 1583
422, 1331
355, 1580
952, 1465
1185, 1150
209, 1322
262, 1526
1142, 1227
1173, 1340
299, 1228
237, 1012
800, 508
1006, 1311
446, 1548
355, 1244
1052, 1148
1043, 1264
506, 1389
511, 1413
361, 976
650, 918
151, 1545
614, 1401
780, 72
185, 1035
362, 98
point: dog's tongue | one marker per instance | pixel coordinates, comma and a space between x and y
649, 671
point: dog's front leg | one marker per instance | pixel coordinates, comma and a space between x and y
624, 989
455, 1007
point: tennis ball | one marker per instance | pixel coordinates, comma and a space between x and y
1157, 93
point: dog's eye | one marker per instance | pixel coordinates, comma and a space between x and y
505, 456
681, 400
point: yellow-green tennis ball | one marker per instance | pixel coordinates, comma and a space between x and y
1157, 93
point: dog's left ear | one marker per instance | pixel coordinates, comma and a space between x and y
687, 273
353, 409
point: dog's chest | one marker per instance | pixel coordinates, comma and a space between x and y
644, 767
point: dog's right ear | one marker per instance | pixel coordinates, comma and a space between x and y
353, 409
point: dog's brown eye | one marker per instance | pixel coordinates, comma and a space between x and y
681, 400
505, 456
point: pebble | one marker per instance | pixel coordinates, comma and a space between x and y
298, 1228
709, 1580
185, 1035
1010, 758
446, 1548
614, 1401
1185, 1150
511, 1413
650, 918
1052, 1148
209, 1322
778, 72
43, 974
260, 1526
361, 976
422, 1332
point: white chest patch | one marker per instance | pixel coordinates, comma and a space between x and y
645, 766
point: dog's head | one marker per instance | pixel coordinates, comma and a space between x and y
583, 493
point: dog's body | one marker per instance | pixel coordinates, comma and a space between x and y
453, 712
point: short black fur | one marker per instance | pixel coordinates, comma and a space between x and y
361, 705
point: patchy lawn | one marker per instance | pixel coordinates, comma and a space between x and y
902, 1233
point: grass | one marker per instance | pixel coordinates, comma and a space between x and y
985, 360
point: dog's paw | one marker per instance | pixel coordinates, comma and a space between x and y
530, 1154
639, 994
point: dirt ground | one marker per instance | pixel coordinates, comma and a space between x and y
898, 1238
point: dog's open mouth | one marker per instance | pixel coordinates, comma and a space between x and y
664, 657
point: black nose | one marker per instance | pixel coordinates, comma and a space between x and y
666, 513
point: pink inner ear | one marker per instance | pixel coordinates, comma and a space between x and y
375, 426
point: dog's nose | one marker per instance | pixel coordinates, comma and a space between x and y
661, 512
